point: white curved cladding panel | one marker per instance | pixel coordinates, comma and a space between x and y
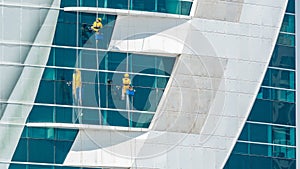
210, 94
12, 123
149, 34
105, 148
19, 25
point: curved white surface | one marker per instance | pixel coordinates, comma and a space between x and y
12, 122
211, 91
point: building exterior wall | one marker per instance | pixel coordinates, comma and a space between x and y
198, 69
269, 135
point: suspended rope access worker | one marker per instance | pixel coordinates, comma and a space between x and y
127, 88
76, 86
97, 25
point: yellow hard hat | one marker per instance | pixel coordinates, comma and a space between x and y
99, 19
126, 75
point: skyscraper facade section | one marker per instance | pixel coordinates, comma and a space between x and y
147, 84
268, 139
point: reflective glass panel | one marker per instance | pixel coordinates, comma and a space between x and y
279, 78
268, 134
286, 39
273, 112
288, 24
276, 94
284, 57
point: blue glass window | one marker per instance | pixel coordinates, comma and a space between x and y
273, 112
165, 6
279, 78
283, 57
286, 39
276, 94
288, 24
268, 134
291, 6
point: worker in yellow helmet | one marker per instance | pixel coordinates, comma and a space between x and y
126, 85
97, 25
76, 86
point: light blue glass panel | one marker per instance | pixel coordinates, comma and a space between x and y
286, 39
279, 78
288, 24
66, 134
284, 152
276, 94
41, 133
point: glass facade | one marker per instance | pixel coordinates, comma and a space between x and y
83, 82
268, 139
181, 7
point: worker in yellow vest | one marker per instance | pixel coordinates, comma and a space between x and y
126, 85
76, 86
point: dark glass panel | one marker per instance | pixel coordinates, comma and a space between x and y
286, 39
260, 150
21, 151
276, 95
284, 57
63, 115
45, 92
245, 133
62, 148
291, 6
115, 118
259, 133
283, 135
69, 3
118, 4
238, 161
279, 78
280, 163
41, 114
65, 34
284, 152
41, 151
241, 148
260, 162
273, 112
17, 166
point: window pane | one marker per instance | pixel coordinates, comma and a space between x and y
286, 39
279, 78
41, 151
288, 24
21, 151
273, 112
276, 94
284, 57
41, 133
291, 6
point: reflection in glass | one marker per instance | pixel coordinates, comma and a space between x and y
283, 57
